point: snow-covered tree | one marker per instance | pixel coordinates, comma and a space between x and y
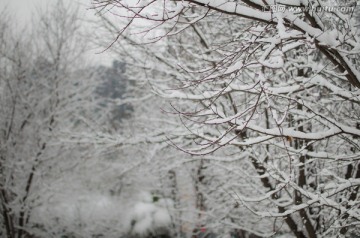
275, 86
47, 93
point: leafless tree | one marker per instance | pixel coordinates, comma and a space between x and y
46, 93
276, 85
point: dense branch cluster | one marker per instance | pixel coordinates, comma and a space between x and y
277, 92
46, 94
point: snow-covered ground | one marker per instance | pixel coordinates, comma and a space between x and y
97, 213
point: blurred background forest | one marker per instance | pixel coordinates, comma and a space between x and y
162, 119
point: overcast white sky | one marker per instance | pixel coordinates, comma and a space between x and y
23, 10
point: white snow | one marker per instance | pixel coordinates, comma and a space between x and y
161, 218
147, 216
